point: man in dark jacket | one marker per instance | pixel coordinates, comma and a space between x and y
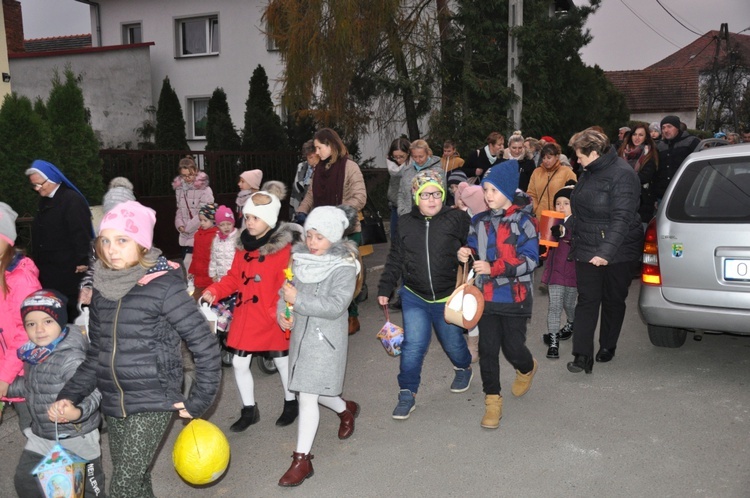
674, 147
61, 233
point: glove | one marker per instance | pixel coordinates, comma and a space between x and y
300, 217
557, 231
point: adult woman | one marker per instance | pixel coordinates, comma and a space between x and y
425, 257
480, 160
398, 155
516, 150
546, 180
606, 242
639, 150
533, 149
336, 180
421, 160
192, 191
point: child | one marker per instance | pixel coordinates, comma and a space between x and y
192, 191
249, 183
19, 277
223, 248
140, 311
560, 275
203, 238
51, 357
455, 178
504, 245
257, 274
325, 271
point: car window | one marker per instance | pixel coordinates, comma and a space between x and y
712, 191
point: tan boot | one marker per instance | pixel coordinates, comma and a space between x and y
473, 343
493, 411
522, 384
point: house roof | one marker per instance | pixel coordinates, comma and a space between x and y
650, 90
700, 53
56, 43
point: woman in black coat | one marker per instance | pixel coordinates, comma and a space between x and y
607, 241
639, 150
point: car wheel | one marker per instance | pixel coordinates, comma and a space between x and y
666, 337
266, 365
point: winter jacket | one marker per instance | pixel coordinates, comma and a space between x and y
394, 181
300, 184
526, 168
134, 357
671, 155
22, 278
222, 254
448, 164
320, 334
42, 382
190, 197
509, 242
408, 172
202, 256
544, 184
479, 158
61, 235
424, 254
560, 269
646, 178
257, 276
354, 195
605, 212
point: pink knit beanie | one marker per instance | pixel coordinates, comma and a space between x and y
253, 177
224, 214
134, 220
473, 197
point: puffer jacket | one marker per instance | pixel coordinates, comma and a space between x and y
424, 254
201, 261
42, 382
605, 216
671, 155
509, 242
408, 172
135, 359
222, 254
190, 197
22, 278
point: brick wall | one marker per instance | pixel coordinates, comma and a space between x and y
13, 25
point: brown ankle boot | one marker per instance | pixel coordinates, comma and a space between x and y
353, 325
346, 429
300, 470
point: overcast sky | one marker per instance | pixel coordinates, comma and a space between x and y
621, 39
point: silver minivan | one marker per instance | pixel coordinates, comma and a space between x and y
696, 256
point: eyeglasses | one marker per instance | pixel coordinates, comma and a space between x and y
400, 157
189, 175
37, 186
426, 195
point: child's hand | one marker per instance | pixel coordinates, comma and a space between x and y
208, 297
284, 322
481, 267
383, 300
84, 296
463, 254
290, 293
181, 229
3, 388
182, 412
63, 411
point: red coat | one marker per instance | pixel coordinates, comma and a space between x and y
257, 276
202, 256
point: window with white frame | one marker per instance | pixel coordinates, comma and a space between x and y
198, 109
198, 36
132, 33
271, 45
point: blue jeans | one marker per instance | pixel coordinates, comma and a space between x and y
419, 319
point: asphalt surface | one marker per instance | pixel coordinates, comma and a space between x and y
653, 422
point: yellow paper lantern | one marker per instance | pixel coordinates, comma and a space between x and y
201, 452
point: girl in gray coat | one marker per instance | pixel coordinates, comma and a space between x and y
325, 271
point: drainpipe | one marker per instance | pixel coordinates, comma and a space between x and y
98, 20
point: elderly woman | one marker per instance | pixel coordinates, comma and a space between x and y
429, 237
421, 160
607, 241
547, 179
336, 180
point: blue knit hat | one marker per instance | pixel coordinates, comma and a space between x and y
504, 177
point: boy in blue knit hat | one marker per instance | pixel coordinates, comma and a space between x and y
504, 246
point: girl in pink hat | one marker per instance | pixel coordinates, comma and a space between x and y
249, 183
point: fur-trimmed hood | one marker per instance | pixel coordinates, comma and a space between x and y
200, 182
287, 233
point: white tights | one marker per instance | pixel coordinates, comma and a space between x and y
309, 417
244, 378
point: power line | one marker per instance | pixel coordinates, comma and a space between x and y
648, 25
678, 21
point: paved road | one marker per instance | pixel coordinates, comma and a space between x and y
653, 422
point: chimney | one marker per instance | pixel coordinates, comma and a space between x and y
13, 26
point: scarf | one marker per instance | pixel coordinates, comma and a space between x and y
636, 156
223, 236
250, 243
311, 269
328, 182
34, 355
115, 284
242, 198
489, 156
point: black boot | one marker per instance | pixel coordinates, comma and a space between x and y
552, 351
581, 362
249, 416
566, 331
289, 415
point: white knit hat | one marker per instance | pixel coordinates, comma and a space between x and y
329, 221
269, 213
8, 224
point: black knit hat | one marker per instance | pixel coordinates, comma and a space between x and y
671, 119
48, 301
565, 191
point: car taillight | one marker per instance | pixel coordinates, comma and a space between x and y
650, 273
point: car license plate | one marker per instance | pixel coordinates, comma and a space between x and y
737, 269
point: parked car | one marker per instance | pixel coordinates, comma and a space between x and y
696, 255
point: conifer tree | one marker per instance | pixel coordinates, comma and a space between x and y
263, 129
170, 122
220, 132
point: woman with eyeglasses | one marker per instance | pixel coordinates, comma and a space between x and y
192, 191
424, 255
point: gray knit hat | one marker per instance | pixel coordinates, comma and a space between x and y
8, 224
120, 190
329, 221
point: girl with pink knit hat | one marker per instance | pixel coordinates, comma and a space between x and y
249, 183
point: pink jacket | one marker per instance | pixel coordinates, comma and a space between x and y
190, 198
22, 278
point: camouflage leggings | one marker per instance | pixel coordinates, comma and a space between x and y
133, 441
